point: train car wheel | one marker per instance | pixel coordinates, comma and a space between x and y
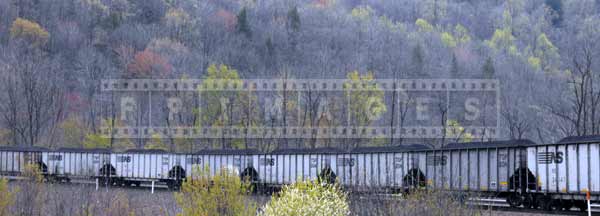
107, 170
104, 181
555, 205
547, 203
540, 202
177, 172
174, 185
529, 201
522, 179
414, 179
567, 205
117, 182
327, 175
581, 204
514, 200
42, 167
249, 174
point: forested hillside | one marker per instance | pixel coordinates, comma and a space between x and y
53, 55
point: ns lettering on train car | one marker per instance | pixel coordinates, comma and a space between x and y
550, 157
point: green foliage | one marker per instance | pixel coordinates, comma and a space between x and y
461, 34
74, 132
5, 135
221, 73
217, 76
367, 99
535, 62
226, 108
423, 25
545, 54
544, 44
448, 40
98, 140
308, 198
362, 13
455, 131
8, 197
243, 27
156, 142
221, 194
29, 31
503, 40
391, 25
33, 172
93, 140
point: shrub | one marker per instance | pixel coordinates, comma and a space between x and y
308, 198
30, 31
147, 64
8, 197
221, 194
119, 205
418, 202
32, 195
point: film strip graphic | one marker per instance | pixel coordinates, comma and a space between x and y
291, 132
454, 98
300, 85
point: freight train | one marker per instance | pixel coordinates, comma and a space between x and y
548, 176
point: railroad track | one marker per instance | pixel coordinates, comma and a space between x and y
143, 186
501, 205
494, 204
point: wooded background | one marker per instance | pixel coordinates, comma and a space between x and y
53, 54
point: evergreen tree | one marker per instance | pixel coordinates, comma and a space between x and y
418, 61
488, 68
270, 57
242, 23
270, 47
454, 68
556, 7
293, 26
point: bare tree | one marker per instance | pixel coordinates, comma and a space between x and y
583, 110
33, 97
517, 124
